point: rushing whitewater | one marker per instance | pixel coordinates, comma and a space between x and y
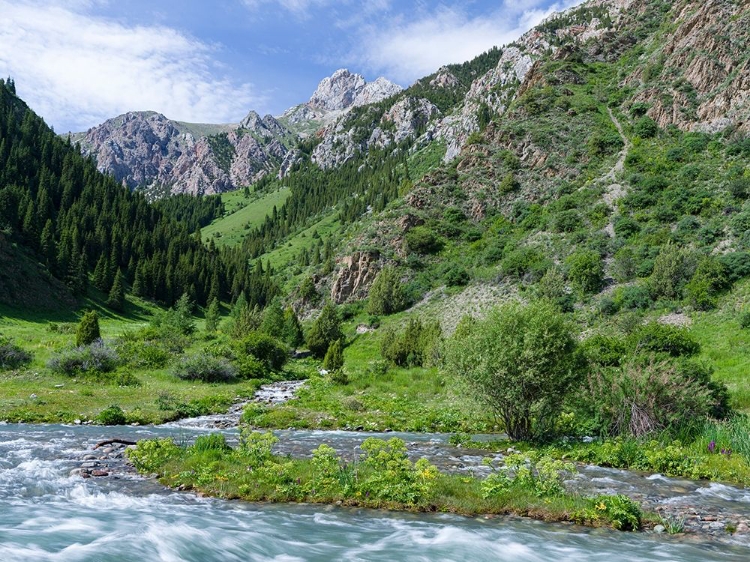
48, 515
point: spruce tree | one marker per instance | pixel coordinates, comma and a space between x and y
212, 316
293, 335
325, 330
116, 298
88, 329
334, 358
47, 244
273, 320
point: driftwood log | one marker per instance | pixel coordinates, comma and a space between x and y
113, 441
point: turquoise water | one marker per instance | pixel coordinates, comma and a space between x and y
47, 515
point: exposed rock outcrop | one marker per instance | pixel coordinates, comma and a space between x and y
334, 97
357, 272
405, 119
700, 80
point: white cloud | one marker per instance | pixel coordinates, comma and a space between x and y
77, 70
408, 51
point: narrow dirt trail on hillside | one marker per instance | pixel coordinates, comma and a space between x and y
614, 190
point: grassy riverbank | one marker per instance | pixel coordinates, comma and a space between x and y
143, 386
382, 477
717, 451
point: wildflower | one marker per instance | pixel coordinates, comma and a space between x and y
601, 507
711, 446
726, 452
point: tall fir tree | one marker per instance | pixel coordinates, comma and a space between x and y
116, 298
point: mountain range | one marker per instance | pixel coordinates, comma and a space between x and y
705, 88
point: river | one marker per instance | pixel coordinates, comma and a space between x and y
48, 515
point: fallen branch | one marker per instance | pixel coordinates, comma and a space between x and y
113, 441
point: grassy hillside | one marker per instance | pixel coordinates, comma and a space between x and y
242, 213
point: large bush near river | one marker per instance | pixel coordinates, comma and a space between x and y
521, 360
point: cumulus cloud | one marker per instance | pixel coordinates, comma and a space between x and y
409, 49
76, 69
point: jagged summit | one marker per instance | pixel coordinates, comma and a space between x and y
343, 90
335, 95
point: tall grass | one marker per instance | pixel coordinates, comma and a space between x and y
731, 435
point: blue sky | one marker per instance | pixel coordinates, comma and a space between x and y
79, 62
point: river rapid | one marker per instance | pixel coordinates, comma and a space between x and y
47, 514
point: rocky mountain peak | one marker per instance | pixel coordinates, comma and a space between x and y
334, 96
338, 91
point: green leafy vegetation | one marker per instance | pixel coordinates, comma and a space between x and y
382, 477
521, 360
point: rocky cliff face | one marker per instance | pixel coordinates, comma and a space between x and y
700, 79
340, 140
145, 149
357, 272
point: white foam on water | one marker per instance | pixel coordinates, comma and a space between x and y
728, 493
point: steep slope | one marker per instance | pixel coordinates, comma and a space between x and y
61, 220
561, 164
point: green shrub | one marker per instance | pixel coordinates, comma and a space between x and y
308, 291
111, 416
211, 442
655, 337
250, 367
744, 319
672, 267
95, 358
387, 294
520, 360
625, 226
456, 276
736, 265
268, 350
422, 240
147, 354
585, 271
11, 355
567, 221
150, 455
418, 345
525, 261
646, 127
623, 513
606, 351
389, 474
257, 446
88, 329
206, 368
643, 397
178, 319
633, 297
709, 279
126, 378
541, 476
